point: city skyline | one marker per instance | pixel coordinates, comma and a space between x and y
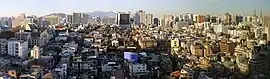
157, 7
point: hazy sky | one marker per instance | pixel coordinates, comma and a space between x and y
42, 7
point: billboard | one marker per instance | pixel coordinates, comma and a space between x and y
131, 56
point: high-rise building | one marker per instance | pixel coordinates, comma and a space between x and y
123, 19
156, 21
213, 19
76, 18
207, 18
137, 19
149, 19
162, 22
142, 17
239, 18
168, 20
200, 18
17, 48
69, 19
227, 18
233, 19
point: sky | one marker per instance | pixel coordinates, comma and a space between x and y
158, 7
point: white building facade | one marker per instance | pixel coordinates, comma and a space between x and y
18, 48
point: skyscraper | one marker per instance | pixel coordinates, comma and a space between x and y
149, 19
123, 19
142, 17
76, 18
156, 21
227, 18
69, 19
137, 19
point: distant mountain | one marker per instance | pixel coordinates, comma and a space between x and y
61, 15
101, 14
95, 14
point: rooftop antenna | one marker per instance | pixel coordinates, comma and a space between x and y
254, 12
261, 14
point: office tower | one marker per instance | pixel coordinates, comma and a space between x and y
227, 18
137, 19
156, 21
239, 18
168, 20
142, 17
69, 19
207, 18
176, 19
76, 18
257, 63
149, 19
123, 19
162, 22
190, 17
233, 19
53, 20
17, 48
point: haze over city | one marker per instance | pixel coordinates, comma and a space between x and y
157, 7
135, 39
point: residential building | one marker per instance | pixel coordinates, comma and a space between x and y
197, 49
35, 52
17, 48
3, 46
227, 46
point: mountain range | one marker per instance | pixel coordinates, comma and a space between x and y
95, 14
